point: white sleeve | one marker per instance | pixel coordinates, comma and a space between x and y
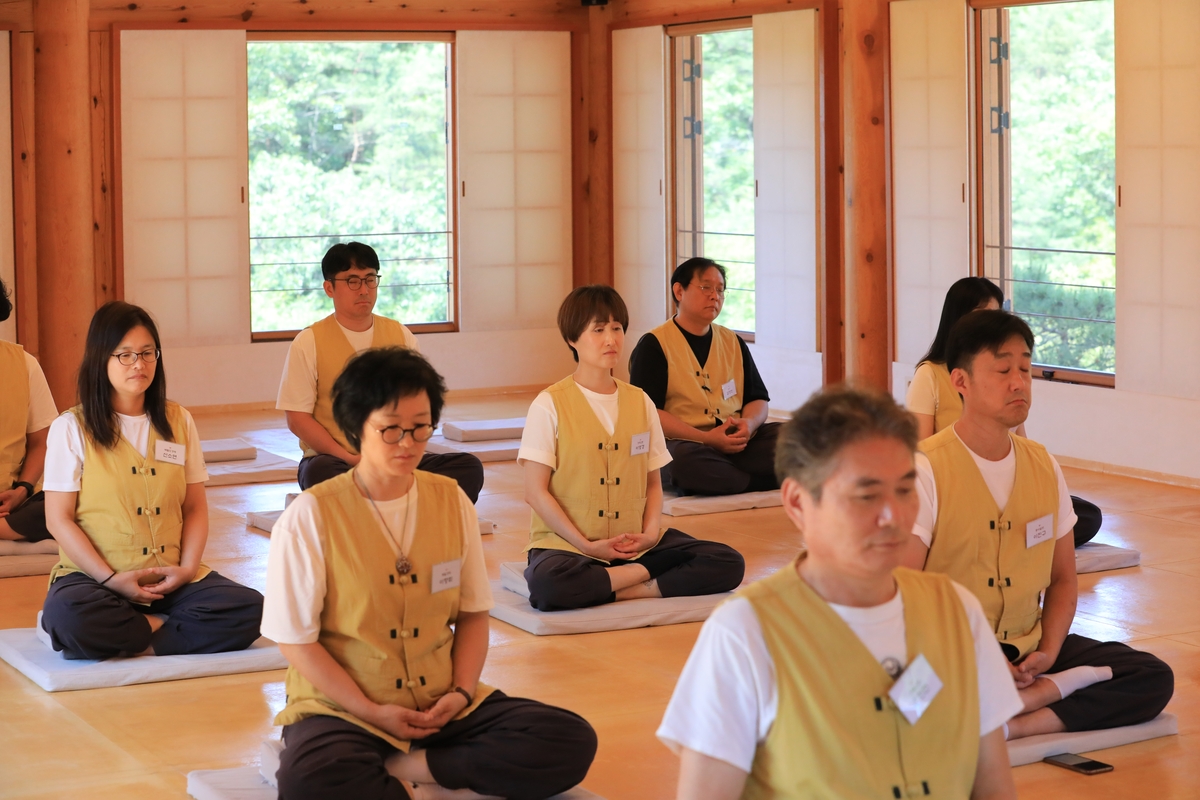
927, 495
1067, 518
410, 339
998, 698
295, 594
659, 455
922, 391
42, 410
725, 701
474, 591
194, 470
539, 440
64, 455
298, 386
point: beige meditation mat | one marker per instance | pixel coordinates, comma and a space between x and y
484, 430
1097, 557
217, 451
1032, 749
675, 505
498, 450
27, 558
265, 468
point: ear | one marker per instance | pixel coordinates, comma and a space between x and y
794, 496
959, 378
328, 286
677, 290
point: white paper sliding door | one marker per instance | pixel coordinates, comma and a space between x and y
186, 227
1158, 175
785, 210
930, 164
8, 271
514, 129
639, 174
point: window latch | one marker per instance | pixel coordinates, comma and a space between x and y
1000, 119
692, 127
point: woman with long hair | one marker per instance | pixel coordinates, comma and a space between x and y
125, 501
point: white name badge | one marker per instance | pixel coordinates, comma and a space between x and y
1040, 530
640, 444
915, 689
446, 575
728, 389
170, 452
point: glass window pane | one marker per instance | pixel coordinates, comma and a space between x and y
348, 141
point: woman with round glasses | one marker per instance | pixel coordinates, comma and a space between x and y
125, 500
378, 596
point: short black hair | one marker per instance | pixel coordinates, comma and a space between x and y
686, 272
5, 303
587, 304
348, 255
833, 418
964, 297
378, 377
983, 330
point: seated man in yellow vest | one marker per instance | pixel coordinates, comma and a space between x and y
842, 675
591, 452
26, 411
378, 595
710, 398
317, 355
996, 516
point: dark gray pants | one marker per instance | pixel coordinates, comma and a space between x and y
1140, 688
88, 621
29, 520
508, 747
1089, 522
465, 468
699, 469
559, 580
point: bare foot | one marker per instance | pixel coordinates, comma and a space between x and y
156, 622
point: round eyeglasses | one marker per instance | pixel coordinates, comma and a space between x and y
354, 282
129, 359
394, 434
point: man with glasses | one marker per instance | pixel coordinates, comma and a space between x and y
710, 398
316, 359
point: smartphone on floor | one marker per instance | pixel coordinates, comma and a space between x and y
1085, 766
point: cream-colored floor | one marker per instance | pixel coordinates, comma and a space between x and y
132, 741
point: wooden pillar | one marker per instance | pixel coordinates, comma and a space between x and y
591, 137
833, 198
62, 133
868, 310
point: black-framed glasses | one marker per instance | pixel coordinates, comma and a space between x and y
356, 282
129, 359
394, 434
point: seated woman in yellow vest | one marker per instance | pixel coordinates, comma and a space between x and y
26, 411
711, 401
591, 452
125, 501
316, 357
378, 596
936, 405
819, 681
996, 517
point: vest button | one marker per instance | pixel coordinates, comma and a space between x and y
403, 634
411, 684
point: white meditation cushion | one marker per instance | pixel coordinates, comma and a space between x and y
484, 430
265, 468
1032, 749
218, 450
690, 504
27, 558
1097, 557
503, 450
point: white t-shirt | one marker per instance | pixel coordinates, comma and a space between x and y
298, 386
65, 449
726, 699
296, 588
1000, 477
539, 442
42, 410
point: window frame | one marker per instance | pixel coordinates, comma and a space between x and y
452, 174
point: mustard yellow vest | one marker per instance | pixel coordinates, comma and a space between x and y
388, 631
333, 351
837, 733
14, 411
694, 392
982, 546
598, 484
129, 505
948, 406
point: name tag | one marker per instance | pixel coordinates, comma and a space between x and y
640, 444
446, 575
728, 389
1040, 530
915, 689
170, 452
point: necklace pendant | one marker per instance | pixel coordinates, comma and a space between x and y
403, 565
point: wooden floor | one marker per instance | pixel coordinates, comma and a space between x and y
142, 740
